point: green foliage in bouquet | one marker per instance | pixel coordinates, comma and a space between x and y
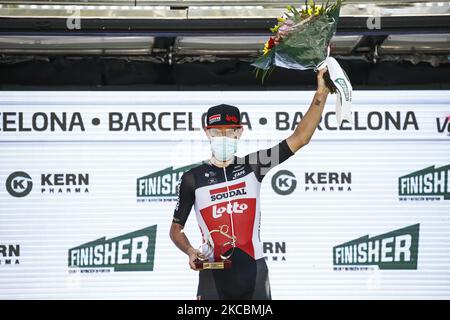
300, 39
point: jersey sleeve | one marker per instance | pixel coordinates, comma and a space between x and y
186, 198
262, 161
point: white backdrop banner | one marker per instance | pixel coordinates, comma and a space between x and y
87, 193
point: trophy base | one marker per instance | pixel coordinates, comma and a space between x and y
216, 265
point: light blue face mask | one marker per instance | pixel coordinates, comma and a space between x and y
223, 148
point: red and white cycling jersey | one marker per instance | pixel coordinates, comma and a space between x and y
227, 199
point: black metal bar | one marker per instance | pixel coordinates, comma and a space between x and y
179, 27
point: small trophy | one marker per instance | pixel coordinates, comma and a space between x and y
207, 250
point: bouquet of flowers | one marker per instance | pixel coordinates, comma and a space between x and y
301, 41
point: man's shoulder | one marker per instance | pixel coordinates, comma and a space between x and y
195, 169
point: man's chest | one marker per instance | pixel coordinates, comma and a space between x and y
228, 190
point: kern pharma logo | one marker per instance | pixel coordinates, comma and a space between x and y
133, 251
427, 184
390, 251
161, 185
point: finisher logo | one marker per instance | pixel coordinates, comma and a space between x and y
134, 251
161, 185
427, 184
343, 85
228, 192
394, 250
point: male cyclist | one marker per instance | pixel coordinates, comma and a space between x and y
224, 191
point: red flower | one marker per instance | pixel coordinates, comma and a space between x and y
269, 45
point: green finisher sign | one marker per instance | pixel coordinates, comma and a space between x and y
162, 183
394, 250
133, 251
430, 181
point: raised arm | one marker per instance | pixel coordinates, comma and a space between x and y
305, 129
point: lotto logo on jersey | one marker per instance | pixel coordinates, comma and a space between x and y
228, 192
231, 208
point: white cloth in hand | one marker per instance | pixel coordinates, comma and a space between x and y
344, 89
